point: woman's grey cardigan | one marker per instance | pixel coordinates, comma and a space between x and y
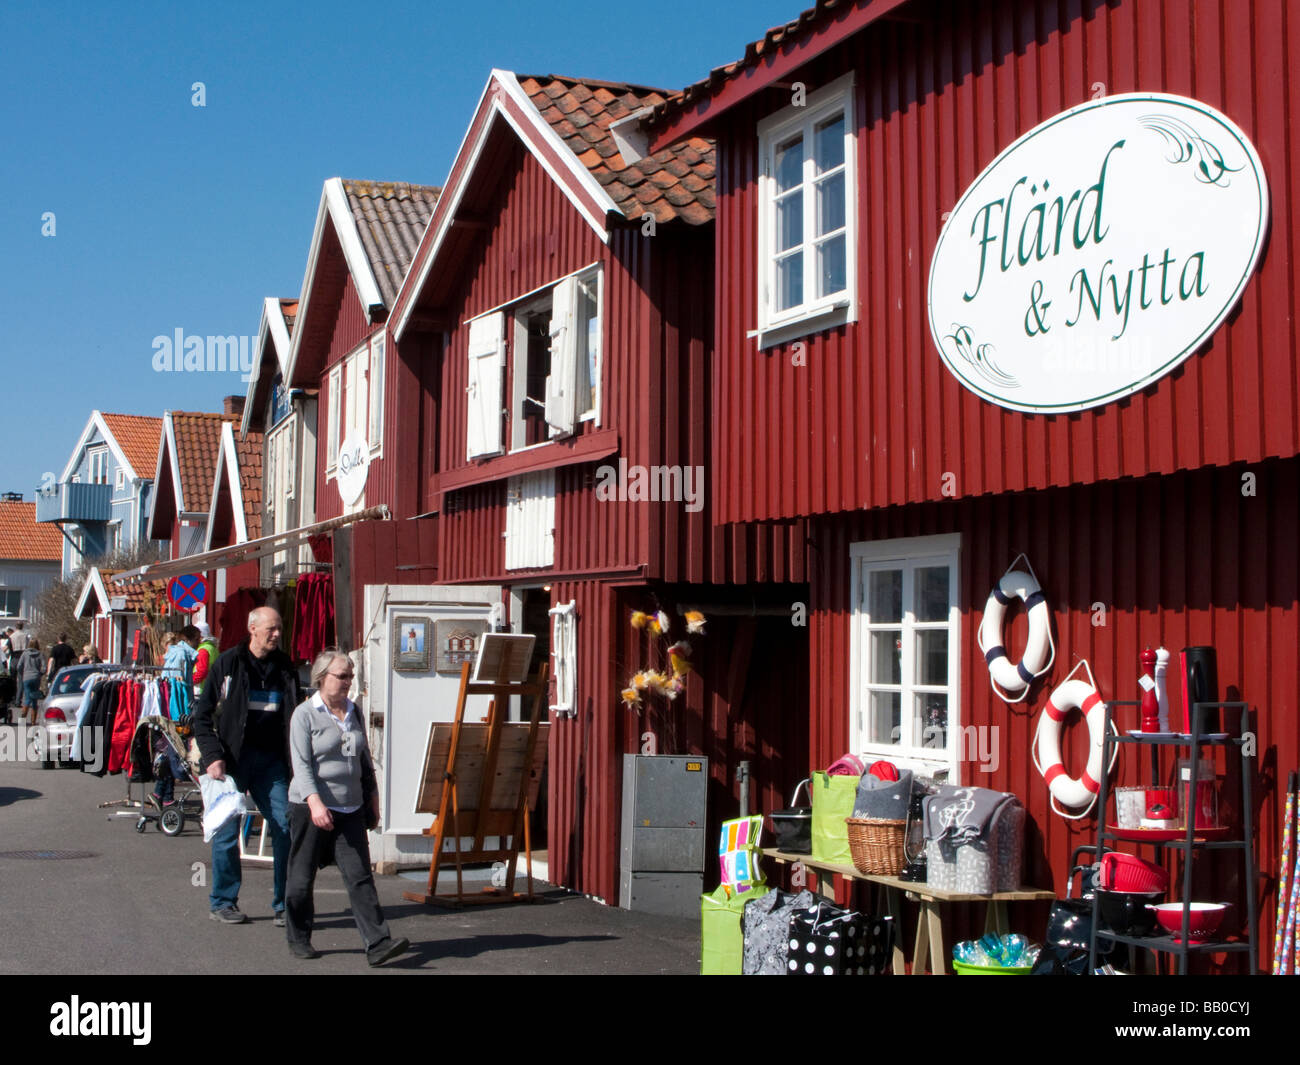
327, 761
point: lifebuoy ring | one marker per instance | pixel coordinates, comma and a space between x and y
1072, 695
1039, 652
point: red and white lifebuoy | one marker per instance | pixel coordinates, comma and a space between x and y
1071, 791
1011, 677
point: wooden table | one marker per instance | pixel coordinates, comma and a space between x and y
929, 925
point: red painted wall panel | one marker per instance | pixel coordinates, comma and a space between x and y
1176, 560
655, 394
874, 418
747, 699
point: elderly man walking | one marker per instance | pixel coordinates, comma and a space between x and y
241, 726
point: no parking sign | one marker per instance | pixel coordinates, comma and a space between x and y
187, 593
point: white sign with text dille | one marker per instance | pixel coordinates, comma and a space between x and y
354, 465
1097, 252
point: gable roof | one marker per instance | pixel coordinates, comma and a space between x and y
377, 226
568, 125
187, 462
238, 477
767, 60
272, 353
390, 218
22, 540
145, 597
132, 438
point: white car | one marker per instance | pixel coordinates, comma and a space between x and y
59, 711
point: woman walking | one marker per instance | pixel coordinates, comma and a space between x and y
332, 801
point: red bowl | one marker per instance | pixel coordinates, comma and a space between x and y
1127, 872
1204, 918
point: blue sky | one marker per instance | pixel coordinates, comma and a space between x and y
170, 216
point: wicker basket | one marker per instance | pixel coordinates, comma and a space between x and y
876, 845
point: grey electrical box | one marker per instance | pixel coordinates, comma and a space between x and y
664, 808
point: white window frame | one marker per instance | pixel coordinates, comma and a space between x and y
814, 313
375, 385
4, 594
356, 400
119, 480
335, 413
908, 555
563, 331
564, 650
98, 465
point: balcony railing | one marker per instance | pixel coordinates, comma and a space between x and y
80, 503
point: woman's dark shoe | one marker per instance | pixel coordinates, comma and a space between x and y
387, 950
303, 950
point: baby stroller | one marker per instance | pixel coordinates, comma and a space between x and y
159, 740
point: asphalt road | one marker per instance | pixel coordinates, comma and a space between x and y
134, 906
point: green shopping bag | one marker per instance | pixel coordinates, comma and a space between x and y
832, 801
722, 946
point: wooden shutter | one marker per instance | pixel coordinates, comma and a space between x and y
530, 520
564, 649
483, 392
335, 412
376, 432
562, 384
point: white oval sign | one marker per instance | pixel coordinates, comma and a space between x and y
354, 465
1097, 252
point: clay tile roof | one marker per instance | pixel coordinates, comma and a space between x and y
249, 452
22, 540
138, 438
581, 111
141, 597
198, 440
289, 308
391, 217
824, 11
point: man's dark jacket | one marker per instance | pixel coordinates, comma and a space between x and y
219, 721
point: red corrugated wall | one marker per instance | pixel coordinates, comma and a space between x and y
655, 395
874, 418
350, 328
746, 699
1179, 560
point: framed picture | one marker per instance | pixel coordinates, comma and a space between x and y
412, 641
457, 642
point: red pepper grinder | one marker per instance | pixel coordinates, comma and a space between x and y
1150, 702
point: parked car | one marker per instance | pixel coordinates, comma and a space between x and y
59, 710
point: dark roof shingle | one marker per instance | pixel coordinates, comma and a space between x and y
391, 217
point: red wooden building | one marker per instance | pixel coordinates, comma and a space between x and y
555, 347
365, 237
1165, 517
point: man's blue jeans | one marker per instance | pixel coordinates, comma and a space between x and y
266, 778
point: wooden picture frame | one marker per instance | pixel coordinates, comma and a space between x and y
412, 639
457, 640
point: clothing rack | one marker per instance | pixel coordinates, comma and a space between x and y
130, 804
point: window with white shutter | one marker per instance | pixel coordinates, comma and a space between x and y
555, 360
564, 649
483, 391
562, 381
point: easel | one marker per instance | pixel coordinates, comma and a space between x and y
497, 768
